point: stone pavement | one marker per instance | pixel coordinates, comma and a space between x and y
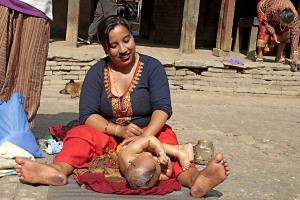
258, 134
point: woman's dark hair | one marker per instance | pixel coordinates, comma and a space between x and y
106, 25
287, 15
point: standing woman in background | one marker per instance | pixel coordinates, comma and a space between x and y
24, 44
278, 25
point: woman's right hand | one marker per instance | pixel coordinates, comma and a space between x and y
275, 39
129, 131
129, 140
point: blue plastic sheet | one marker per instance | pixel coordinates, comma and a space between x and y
14, 126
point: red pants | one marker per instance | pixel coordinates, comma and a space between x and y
83, 143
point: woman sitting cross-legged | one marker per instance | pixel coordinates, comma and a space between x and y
125, 95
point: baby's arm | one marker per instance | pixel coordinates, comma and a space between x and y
148, 142
166, 171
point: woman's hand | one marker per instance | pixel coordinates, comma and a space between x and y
275, 39
129, 140
129, 131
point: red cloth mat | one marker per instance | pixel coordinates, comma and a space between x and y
99, 183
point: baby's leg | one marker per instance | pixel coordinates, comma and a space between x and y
188, 147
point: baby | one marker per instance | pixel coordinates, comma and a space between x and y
146, 161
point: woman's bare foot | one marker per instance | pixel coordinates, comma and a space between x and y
215, 173
188, 147
38, 173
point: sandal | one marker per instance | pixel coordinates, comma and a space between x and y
281, 60
261, 60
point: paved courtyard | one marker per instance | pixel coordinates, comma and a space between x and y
259, 135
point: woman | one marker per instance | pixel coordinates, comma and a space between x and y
24, 43
124, 96
278, 22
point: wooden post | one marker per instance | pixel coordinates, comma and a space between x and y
189, 26
226, 38
220, 25
72, 22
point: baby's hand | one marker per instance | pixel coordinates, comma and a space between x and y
162, 158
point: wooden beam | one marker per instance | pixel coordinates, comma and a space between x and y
189, 26
226, 38
72, 22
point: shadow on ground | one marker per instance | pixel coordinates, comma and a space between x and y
44, 121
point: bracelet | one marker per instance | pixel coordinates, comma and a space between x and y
295, 51
161, 153
106, 125
116, 131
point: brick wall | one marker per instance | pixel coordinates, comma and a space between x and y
201, 76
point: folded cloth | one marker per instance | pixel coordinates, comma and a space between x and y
99, 183
8, 152
7, 172
103, 176
233, 61
58, 132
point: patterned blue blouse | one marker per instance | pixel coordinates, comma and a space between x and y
149, 91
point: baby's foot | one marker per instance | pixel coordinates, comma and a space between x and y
183, 158
38, 173
188, 147
215, 173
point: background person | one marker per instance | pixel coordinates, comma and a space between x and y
24, 43
104, 8
125, 94
278, 23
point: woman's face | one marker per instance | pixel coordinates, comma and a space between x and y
121, 46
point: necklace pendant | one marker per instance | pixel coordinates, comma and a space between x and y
121, 105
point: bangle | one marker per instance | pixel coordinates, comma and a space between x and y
116, 131
106, 125
161, 153
295, 51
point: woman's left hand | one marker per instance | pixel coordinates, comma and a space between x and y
129, 131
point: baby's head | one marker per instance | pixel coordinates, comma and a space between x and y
143, 172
